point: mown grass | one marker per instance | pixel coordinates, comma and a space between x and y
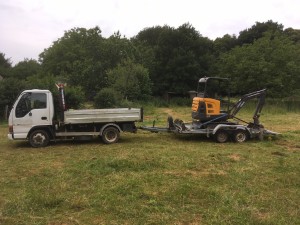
150, 178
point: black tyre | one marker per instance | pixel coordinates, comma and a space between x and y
110, 135
39, 138
221, 136
240, 136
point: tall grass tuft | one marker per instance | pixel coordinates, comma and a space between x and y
275, 106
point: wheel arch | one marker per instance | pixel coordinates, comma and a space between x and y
110, 125
48, 129
230, 128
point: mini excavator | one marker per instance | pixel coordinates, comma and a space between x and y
215, 116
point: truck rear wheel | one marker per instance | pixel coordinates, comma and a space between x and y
221, 136
39, 138
110, 135
240, 136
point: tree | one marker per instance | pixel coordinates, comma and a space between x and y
271, 62
130, 80
224, 44
180, 56
10, 89
42, 81
26, 68
248, 36
150, 36
117, 49
78, 57
83, 56
146, 42
76, 45
5, 65
293, 34
106, 98
74, 95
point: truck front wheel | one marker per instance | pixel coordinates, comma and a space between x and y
110, 135
39, 138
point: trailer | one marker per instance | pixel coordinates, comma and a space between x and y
220, 132
222, 124
33, 118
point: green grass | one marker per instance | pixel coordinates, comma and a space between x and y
150, 178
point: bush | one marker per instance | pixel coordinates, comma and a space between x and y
157, 102
10, 88
74, 97
106, 98
131, 80
178, 101
127, 104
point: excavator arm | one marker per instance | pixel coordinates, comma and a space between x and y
260, 95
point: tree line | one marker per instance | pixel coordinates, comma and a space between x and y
158, 59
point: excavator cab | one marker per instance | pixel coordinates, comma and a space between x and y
212, 100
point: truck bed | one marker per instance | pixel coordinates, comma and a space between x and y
103, 115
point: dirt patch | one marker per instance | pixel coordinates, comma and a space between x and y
235, 157
193, 220
263, 216
288, 145
194, 173
38, 169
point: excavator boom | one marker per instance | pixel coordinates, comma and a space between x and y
260, 95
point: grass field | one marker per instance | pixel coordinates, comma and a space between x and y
150, 178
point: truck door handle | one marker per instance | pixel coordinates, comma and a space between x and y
44, 118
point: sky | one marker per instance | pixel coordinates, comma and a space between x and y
30, 26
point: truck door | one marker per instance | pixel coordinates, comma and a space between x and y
31, 110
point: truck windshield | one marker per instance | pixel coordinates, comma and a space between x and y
30, 101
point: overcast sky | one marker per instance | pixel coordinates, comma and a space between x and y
29, 26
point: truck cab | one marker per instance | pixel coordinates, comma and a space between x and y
33, 109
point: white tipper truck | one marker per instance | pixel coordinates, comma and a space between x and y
32, 118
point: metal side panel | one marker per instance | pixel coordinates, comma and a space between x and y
73, 134
155, 129
103, 115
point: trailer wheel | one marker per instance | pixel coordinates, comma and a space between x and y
221, 136
39, 138
110, 135
240, 136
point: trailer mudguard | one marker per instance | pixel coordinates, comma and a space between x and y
229, 127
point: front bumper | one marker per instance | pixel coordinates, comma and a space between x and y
10, 136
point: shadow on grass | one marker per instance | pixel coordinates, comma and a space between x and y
126, 139
192, 137
24, 145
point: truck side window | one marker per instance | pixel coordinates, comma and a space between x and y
30, 101
23, 106
38, 101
